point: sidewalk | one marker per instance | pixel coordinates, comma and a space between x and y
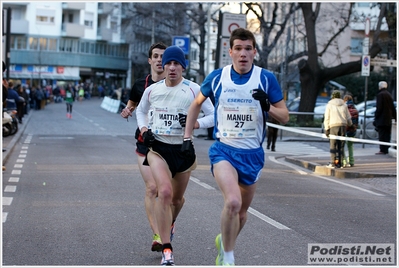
368, 165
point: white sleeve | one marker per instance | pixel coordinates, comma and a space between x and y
208, 109
142, 110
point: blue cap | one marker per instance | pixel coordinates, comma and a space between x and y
174, 53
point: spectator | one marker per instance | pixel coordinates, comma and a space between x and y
384, 113
12, 97
351, 130
336, 119
272, 133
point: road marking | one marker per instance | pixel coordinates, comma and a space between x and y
6, 201
298, 169
10, 189
20, 160
267, 219
324, 178
18, 166
13, 179
4, 216
56, 138
16, 172
348, 185
197, 181
22, 155
250, 210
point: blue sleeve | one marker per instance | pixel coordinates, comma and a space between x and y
210, 82
273, 89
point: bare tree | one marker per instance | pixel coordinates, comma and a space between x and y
313, 75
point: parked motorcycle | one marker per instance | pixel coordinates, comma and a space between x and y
10, 122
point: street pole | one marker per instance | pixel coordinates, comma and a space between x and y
365, 71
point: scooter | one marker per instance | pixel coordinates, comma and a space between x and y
10, 122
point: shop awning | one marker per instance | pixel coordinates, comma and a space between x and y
58, 77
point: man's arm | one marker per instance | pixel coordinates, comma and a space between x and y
279, 111
192, 114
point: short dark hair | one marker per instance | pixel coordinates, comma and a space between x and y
242, 34
159, 45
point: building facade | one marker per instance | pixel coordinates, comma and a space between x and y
54, 43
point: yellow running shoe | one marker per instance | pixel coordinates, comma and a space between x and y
156, 243
219, 247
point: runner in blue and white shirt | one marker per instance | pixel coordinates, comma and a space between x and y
244, 95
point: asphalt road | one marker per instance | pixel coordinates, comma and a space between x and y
73, 195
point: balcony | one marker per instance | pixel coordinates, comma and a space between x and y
73, 5
105, 8
19, 26
73, 30
104, 34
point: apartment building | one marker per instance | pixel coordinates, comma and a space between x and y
67, 42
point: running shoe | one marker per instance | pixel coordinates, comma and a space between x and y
219, 247
172, 231
156, 243
167, 257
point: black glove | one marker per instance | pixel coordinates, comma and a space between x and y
182, 119
327, 133
187, 148
148, 138
261, 96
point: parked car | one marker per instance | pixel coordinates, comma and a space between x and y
294, 104
370, 133
370, 104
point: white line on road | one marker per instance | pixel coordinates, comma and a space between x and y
299, 170
10, 189
250, 210
197, 181
324, 178
267, 219
348, 185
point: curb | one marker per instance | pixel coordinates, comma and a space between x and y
17, 136
338, 173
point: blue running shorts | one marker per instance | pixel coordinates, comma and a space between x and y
247, 162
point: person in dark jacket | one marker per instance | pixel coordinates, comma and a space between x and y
384, 113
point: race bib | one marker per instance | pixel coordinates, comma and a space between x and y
238, 121
165, 121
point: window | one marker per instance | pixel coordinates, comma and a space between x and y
43, 44
44, 16
356, 45
52, 44
33, 43
114, 27
21, 42
89, 19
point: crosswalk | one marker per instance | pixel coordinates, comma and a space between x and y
296, 148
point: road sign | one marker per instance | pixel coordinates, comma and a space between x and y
367, 27
366, 44
383, 62
183, 42
366, 65
231, 21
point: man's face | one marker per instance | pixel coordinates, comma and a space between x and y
156, 60
173, 71
242, 54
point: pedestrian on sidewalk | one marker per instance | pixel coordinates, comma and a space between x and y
169, 100
272, 133
244, 95
69, 99
351, 130
336, 119
384, 113
157, 73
